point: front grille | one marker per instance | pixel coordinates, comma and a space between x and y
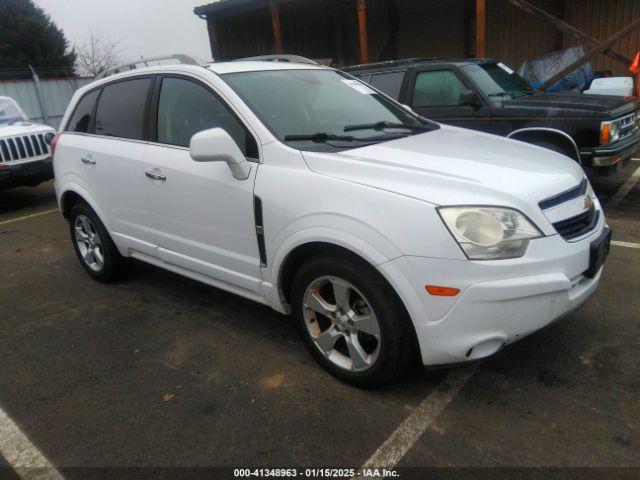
628, 125
23, 147
579, 225
564, 196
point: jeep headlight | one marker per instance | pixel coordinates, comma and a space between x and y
489, 233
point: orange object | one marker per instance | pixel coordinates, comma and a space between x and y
635, 66
442, 291
605, 134
635, 69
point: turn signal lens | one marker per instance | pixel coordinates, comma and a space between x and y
605, 133
442, 291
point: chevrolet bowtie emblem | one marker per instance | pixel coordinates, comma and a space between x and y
588, 202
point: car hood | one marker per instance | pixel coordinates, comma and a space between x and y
572, 105
23, 128
455, 166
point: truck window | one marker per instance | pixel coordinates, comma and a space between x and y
388, 83
440, 88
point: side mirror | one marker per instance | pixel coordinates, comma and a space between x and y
48, 137
216, 145
470, 98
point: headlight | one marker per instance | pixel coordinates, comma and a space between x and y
489, 233
610, 131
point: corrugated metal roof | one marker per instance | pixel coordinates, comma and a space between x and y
227, 6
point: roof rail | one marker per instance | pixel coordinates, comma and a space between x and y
144, 62
391, 63
279, 58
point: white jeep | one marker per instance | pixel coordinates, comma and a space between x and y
24, 152
388, 236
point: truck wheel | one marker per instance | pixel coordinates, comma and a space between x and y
351, 320
96, 251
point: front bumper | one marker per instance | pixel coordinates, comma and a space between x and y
499, 301
26, 173
608, 158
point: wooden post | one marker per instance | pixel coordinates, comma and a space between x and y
362, 31
480, 28
275, 22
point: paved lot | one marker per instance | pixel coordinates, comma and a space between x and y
162, 371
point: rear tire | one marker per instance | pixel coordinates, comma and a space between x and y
96, 252
364, 336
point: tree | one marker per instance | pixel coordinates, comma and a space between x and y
28, 36
96, 54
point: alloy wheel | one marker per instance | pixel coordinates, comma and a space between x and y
342, 323
89, 243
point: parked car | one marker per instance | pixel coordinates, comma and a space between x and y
387, 236
24, 154
599, 132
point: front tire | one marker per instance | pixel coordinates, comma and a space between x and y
352, 321
96, 251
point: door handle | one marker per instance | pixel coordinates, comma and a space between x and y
153, 175
88, 160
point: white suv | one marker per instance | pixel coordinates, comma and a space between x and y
386, 235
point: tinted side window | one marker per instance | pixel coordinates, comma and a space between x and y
388, 83
186, 108
437, 89
121, 109
81, 117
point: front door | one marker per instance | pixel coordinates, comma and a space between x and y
203, 217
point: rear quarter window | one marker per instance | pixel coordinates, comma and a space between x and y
81, 118
121, 108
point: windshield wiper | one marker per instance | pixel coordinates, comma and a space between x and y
384, 124
322, 137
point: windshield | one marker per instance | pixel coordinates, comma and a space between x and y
10, 111
499, 81
323, 109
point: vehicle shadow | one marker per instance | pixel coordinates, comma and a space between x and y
27, 199
250, 319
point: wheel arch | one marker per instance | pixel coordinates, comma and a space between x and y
73, 194
297, 257
552, 135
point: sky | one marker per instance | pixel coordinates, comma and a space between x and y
141, 27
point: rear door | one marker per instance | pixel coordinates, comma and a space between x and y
115, 161
435, 93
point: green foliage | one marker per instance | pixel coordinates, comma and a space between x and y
28, 36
